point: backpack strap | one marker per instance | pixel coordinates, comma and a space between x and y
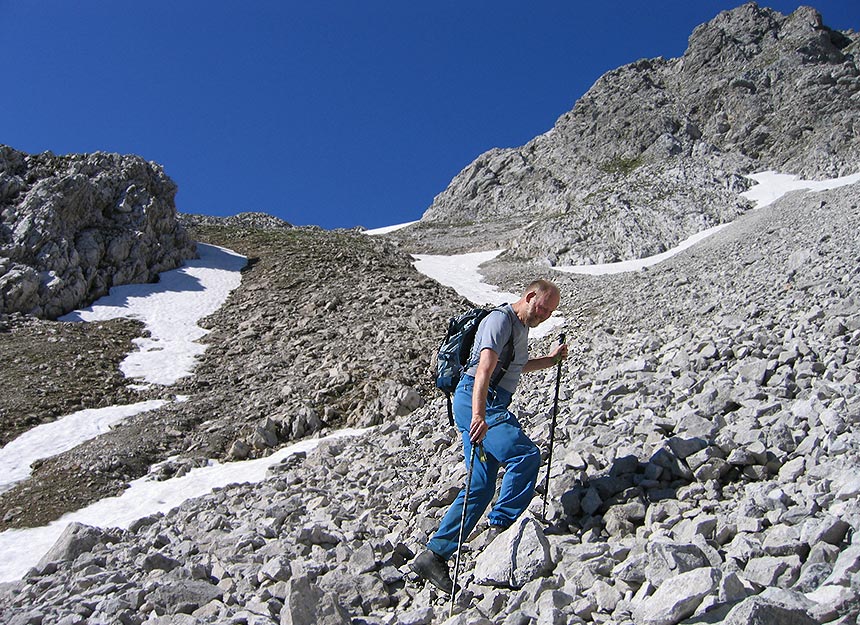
450, 410
506, 362
506, 357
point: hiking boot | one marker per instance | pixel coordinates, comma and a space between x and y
432, 568
494, 532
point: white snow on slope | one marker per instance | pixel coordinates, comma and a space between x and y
772, 186
461, 272
387, 229
21, 549
50, 439
636, 264
769, 188
170, 309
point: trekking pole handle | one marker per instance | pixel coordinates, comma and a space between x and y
560, 343
552, 431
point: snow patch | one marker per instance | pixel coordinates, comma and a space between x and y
769, 187
50, 439
171, 309
462, 273
387, 229
21, 549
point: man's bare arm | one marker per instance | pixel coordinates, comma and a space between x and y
486, 366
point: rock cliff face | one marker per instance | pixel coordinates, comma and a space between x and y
73, 226
657, 150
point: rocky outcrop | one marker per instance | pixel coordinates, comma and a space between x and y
343, 335
73, 226
656, 150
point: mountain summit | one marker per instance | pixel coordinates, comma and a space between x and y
657, 150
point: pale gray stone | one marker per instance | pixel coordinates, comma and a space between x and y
277, 570
784, 540
670, 559
76, 539
677, 597
182, 596
517, 556
773, 571
846, 565
828, 529
830, 601
306, 604
759, 611
420, 616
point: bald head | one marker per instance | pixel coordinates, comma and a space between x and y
541, 286
538, 302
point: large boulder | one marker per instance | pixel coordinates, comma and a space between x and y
517, 556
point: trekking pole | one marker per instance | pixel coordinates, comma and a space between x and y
462, 526
552, 431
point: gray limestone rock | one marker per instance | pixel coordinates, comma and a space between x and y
517, 556
760, 611
73, 226
306, 604
675, 135
75, 540
669, 559
678, 597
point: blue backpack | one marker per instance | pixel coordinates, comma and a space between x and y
453, 356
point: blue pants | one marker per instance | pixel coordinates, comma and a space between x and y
504, 445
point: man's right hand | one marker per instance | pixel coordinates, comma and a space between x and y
477, 429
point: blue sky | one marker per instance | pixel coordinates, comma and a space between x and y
335, 113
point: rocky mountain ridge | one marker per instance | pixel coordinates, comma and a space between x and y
657, 150
240, 220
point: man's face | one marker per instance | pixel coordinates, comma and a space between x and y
541, 306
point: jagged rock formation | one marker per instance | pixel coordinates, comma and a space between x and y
73, 226
705, 471
656, 150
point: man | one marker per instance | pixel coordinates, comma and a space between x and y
482, 416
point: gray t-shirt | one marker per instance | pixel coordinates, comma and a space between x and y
494, 332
